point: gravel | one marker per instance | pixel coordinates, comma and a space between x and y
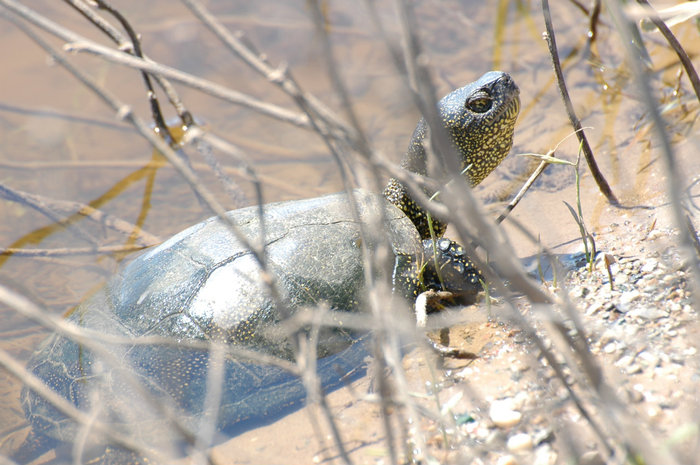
642, 335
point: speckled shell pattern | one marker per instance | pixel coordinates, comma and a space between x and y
203, 284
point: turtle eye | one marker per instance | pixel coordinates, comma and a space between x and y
480, 102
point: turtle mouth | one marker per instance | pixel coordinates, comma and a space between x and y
511, 105
510, 108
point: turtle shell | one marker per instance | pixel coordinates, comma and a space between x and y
203, 284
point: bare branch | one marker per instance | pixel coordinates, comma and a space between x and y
575, 122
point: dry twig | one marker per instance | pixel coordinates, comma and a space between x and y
575, 122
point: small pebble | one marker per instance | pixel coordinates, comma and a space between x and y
668, 279
542, 436
596, 307
502, 413
648, 358
634, 369
628, 297
649, 265
592, 457
465, 373
520, 442
668, 404
519, 366
654, 234
520, 400
506, 460
635, 396
610, 347
482, 433
625, 360
544, 455
608, 337
648, 313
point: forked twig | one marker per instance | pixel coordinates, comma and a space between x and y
545, 160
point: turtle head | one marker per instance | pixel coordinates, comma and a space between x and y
480, 119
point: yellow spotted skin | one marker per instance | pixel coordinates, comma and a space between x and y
480, 119
455, 269
454, 272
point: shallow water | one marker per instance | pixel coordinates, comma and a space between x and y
60, 142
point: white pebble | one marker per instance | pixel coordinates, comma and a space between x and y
519, 442
633, 369
544, 455
592, 457
653, 413
627, 297
502, 413
650, 359
654, 234
520, 400
648, 313
675, 307
482, 433
506, 460
635, 396
610, 348
649, 265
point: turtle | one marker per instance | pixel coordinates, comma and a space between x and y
162, 313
